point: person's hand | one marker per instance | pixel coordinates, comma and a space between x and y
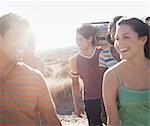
79, 111
103, 115
104, 118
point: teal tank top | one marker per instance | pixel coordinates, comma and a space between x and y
134, 105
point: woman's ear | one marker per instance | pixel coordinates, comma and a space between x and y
144, 39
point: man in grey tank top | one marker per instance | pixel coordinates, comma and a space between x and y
85, 65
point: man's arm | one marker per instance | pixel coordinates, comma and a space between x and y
46, 106
75, 87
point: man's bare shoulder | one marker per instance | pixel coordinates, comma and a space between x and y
73, 58
73, 63
27, 70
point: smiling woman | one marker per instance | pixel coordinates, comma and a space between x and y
129, 79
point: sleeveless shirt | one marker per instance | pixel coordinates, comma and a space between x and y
88, 69
134, 105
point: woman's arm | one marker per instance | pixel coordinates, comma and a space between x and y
109, 90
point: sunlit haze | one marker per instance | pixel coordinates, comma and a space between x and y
55, 22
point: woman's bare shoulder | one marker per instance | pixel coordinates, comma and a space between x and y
112, 70
110, 75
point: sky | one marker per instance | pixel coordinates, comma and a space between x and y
54, 22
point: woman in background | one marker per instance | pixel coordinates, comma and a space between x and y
109, 56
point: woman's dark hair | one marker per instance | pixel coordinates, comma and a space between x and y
110, 40
146, 20
112, 24
87, 31
141, 28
